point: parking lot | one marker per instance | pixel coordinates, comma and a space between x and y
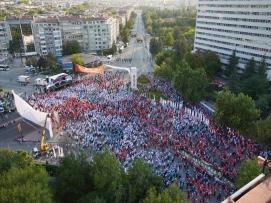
8, 79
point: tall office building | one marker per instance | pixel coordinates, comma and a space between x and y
242, 25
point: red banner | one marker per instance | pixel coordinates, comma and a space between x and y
82, 69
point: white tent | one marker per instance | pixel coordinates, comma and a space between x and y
27, 112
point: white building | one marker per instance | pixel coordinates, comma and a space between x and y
71, 29
4, 39
99, 33
47, 35
243, 25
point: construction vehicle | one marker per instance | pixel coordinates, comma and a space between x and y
44, 147
46, 150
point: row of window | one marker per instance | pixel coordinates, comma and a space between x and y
234, 19
268, 36
233, 25
249, 54
239, 39
235, 12
235, 44
235, 6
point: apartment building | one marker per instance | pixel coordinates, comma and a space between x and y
47, 35
242, 25
71, 29
99, 33
21, 30
4, 39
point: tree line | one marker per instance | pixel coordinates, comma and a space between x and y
77, 179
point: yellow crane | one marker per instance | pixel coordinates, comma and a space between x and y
44, 147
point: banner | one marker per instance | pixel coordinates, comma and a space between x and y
27, 112
82, 69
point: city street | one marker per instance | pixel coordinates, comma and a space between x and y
137, 52
8, 79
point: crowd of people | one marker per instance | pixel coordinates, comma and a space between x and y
179, 141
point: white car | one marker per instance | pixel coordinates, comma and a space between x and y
4, 67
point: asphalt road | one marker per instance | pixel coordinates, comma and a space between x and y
138, 52
8, 79
9, 134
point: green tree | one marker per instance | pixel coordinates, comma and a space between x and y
31, 61
190, 83
141, 178
108, 177
14, 46
71, 47
181, 48
21, 180
77, 59
262, 68
172, 194
255, 86
17, 159
73, 181
211, 63
247, 172
232, 66
261, 131
250, 69
235, 111
162, 56
27, 185
155, 46
42, 62
169, 40
164, 71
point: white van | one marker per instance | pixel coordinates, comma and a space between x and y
23, 79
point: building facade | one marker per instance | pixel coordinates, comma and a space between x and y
99, 33
4, 39
72, 29
243, 26
42, 35
47, 35
21, 31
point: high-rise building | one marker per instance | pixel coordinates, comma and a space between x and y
243, 26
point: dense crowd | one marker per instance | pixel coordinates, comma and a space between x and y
179, 141
6, 101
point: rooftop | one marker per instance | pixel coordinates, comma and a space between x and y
261, 193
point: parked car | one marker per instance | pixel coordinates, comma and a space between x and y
4, 67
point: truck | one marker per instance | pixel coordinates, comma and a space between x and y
54, 82
23, 79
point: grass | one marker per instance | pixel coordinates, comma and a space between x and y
143, 79
155, 93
